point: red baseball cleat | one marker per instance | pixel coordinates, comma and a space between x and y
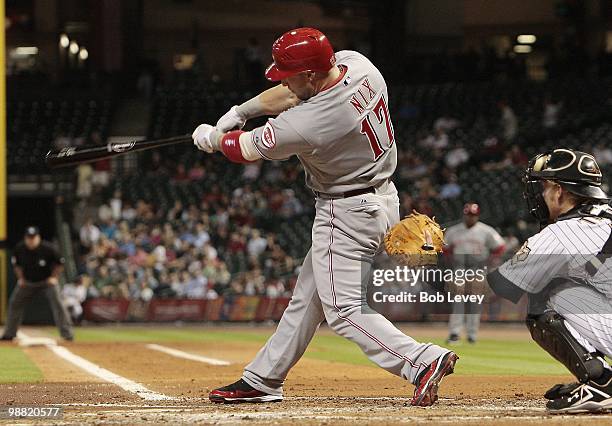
426, 392
239, 392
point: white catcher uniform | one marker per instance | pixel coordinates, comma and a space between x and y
343, 136
567, 250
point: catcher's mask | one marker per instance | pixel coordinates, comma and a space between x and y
576, 171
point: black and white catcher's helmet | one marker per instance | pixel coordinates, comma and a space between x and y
576, 171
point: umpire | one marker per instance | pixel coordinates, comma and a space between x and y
37, 265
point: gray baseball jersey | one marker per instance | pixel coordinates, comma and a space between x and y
343, 136
472, 244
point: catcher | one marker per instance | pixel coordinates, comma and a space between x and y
566, 272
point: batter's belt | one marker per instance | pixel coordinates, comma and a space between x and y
353, 193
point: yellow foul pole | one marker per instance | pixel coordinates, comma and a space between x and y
3, 198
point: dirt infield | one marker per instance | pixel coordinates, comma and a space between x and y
317, 392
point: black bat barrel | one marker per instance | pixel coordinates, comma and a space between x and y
74, 155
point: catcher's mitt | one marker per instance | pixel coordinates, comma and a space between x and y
415, 241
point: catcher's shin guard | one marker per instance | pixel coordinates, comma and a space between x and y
548, 330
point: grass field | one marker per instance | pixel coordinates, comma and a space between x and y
490, 356
17, 367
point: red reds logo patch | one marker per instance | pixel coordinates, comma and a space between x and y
267, 137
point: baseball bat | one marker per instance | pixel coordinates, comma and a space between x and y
73, 155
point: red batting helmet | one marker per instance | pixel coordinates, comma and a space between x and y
302, 49
472, 209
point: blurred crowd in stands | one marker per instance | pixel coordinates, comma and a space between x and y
432, 164
141, 250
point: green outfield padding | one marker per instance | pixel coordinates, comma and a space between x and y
17, 367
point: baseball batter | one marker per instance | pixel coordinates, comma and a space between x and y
566, 272
332, 113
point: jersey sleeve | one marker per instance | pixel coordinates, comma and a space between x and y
449, 237
542, 258
494, 240
17, 257
278, 139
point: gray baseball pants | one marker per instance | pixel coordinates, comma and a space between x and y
468, 314
346, 234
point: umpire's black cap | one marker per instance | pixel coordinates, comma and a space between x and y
32, 231
576, 171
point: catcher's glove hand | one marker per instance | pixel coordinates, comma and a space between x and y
415, 241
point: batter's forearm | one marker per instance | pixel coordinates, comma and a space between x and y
247, 148
270, 102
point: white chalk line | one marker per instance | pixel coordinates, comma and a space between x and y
102, 373
206, 412
185, 355
433, 409
197, 414
230, 418
340, 399
25, 340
